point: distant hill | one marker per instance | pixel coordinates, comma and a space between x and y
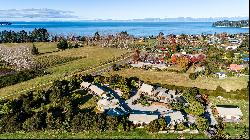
227, 23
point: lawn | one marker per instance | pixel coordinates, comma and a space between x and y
235, 129
134, 134
43, 47
94, 55
182, 79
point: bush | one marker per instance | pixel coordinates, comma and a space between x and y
193, 76
21, 76
36, 122
34, 50
62, 44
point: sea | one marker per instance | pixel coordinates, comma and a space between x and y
139, 29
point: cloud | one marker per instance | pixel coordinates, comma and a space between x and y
36, 13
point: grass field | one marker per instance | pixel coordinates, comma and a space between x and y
134, 134
93, 57
43, 47
244, 106
182, 79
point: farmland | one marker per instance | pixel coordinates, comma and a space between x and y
182, 79
88, 57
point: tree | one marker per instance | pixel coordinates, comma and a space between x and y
34, 50
193, 76
163, 124
194, 108
153, 126
97, 36
201, 123
62, 44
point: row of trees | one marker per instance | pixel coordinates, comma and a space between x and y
37, 35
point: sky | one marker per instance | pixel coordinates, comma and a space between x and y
121, 9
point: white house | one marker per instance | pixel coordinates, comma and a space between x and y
96, 90
142, 118
146, 89
104, 104
85, 85
229, 113
221, 75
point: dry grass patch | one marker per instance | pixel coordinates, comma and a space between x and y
182, 79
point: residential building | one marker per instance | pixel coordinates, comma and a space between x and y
142, 118
96, 90
173, 118
229, 113
221, 75
85, 85
146, 89
235, 67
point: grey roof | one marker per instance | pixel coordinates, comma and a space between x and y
146, 88
96, 90
142, 118
174, 116
85, 84
181, 99
226, 111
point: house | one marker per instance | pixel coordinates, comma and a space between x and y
146, 89
96, 90
221, 75
229, 113
231, 47
85, 85
142, 118
105, 104
235, 67
173, 118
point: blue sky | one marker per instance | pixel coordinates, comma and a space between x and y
122, 9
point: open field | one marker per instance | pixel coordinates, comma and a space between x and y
43, 47
182, 79
244, 106
134, 134
93, 57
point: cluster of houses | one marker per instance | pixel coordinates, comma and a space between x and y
110, 103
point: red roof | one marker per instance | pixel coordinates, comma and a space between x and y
235, 67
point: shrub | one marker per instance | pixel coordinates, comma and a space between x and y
62, 44
21, 76
34, 50
36, 122
193, 76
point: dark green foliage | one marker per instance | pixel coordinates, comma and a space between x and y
21, 76
34, 50
37, 35
59, 90
201, 123
62, 44
193, 76
13, 122
36, 122
153, 126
